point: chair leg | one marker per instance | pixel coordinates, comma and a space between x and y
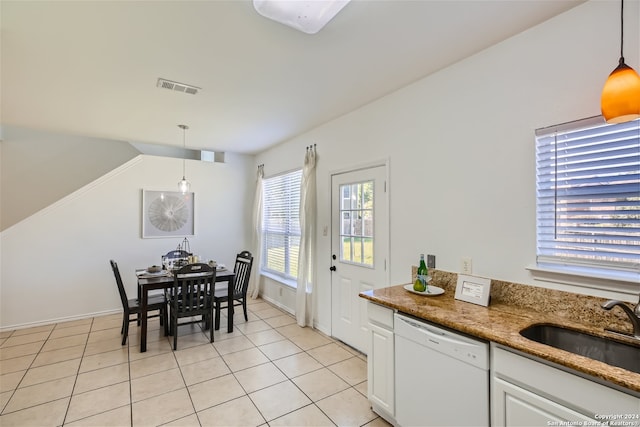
244, 307
174, 326
125, 332
206, 320
210, 315
217, 315
163, 315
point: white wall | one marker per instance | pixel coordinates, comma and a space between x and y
55, 263
65, 162
461, 146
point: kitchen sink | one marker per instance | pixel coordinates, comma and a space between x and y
612, 352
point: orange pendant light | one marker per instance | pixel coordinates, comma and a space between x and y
620, 100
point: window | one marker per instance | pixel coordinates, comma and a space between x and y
281, 224
588, 197
356, 230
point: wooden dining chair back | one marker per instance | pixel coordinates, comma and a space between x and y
132, 306
242, 270
191, 296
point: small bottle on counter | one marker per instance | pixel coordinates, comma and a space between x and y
420, 285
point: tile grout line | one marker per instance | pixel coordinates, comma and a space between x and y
129, 377
75, 381
25, 373
195, 412
288, 337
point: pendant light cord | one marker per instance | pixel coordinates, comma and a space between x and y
184, 150
621, 29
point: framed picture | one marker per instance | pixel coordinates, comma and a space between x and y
473, 289
167, 214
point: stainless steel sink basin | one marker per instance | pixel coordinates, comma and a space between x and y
612, 352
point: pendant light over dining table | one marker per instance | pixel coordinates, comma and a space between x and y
184, 185
620, 100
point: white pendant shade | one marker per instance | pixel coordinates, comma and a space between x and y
184, 185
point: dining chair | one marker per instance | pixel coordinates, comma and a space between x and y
132, 306
191, 296
242, 270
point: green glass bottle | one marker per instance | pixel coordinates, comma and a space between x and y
420, 284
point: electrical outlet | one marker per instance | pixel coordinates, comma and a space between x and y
431, 261
466, 266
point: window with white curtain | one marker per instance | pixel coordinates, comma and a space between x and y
588, 197
281, 224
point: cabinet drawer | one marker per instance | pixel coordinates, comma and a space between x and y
380, 315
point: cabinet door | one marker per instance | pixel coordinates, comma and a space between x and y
554, 388
380, 366
515, 406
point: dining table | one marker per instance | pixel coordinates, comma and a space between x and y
164, 280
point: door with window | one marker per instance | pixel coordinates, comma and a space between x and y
360, 248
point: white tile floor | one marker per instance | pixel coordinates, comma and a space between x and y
269, 371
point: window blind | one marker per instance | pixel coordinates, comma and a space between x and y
588, 194
281, 224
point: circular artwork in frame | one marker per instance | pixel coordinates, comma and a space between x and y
167, 214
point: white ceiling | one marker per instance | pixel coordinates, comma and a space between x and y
90, 67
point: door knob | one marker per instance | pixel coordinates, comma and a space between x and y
332, 268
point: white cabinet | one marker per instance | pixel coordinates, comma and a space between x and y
526, 392
380, 361
516, 406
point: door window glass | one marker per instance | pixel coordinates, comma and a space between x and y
356, 230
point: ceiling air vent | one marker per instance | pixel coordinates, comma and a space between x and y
177, 86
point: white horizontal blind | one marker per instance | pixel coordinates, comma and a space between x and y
281, 224
588, 195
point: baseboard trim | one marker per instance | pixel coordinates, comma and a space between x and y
58, 320
278, 304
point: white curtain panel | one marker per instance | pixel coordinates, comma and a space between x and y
256, 243
305, 304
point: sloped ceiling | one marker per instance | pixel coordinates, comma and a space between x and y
90, 67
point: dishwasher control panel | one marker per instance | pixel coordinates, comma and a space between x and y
462, 347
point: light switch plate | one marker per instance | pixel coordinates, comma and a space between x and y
466, 266
431, 261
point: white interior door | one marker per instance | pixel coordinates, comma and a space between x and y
360, 248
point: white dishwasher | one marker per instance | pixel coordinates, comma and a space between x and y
442, 377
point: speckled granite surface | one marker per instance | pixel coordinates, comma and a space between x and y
512, 308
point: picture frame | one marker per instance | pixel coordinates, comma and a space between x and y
475, 290
167, 214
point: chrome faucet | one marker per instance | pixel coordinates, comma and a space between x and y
634, 315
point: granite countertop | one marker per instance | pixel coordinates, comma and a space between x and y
501, 323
